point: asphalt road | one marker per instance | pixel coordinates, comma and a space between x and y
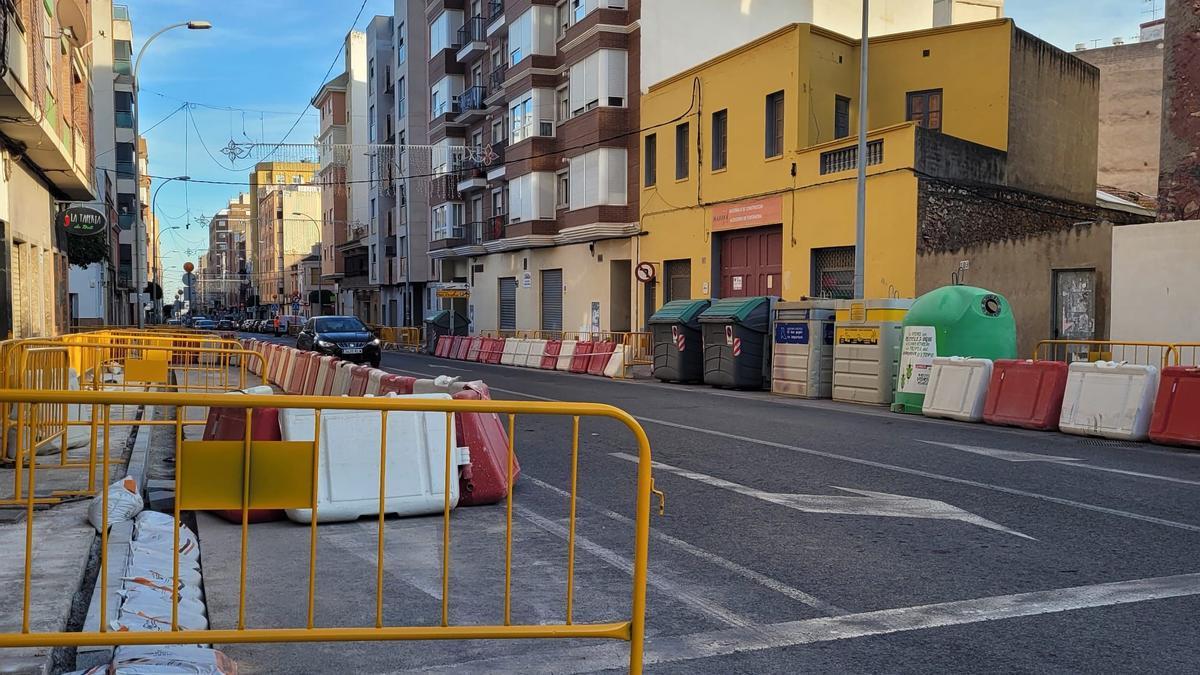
798, 535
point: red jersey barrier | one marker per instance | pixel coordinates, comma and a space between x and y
582, 357
474, 348
601, 353
550, 356
396, 384
359, 377
1175, 420
1026, 394
485, 479
444, 343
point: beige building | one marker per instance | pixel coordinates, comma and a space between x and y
287, 228
1131, 99
268, 175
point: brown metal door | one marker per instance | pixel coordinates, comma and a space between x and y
752, 262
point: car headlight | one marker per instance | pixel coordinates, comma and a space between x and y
374, 342
324, 344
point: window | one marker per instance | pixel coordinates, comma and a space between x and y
833, 272
599, 178
720, 133
564, 104
520, 38
498, 203
650, 163
125, 161
436, 104
498, 129
297, 179
371, 76
563, 193
579, 9
401, 49
682, 135
564, 18
599, 79
122, 57
841, 117
48, 47
531, 197
925, 108
123, 106
401, 92
371, 124
443, 33
774, 140
522, 120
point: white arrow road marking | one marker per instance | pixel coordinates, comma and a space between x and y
1006, 455
1015, 456
868, 504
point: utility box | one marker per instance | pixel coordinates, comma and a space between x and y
951, 321
866, 349
802, 358
443, 322
678, 341
737, 350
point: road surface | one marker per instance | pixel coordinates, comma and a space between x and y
798, 536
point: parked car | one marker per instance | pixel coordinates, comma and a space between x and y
342, 336
173, 322
204, 324
226, 324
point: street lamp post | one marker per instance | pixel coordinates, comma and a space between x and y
140, 244
320, 234
154, 216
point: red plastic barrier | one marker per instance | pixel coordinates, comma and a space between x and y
582, 357
295, 381
474, 349
1175, 420
444, 343
1026, 394
601, 353
396, 384
229, 424
485, 479
359, 376
310, 376
496, 352
461, 346
550, 356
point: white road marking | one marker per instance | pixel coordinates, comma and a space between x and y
1006, 455
1014, 456
681, 648
899, 469
712, 558
667, 587
867, 504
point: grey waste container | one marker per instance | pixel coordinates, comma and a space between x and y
737, 346
802, 361
439, 323
678, 344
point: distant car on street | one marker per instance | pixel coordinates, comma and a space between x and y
226, 324
204, 324
345, 337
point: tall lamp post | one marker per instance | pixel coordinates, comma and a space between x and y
139, 236
860, 219
154, 215
319, 235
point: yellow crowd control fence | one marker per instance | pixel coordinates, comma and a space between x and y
403, 337
1158, 354
249, 474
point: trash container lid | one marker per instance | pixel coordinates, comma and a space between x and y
737, 310
433, 317
680, 311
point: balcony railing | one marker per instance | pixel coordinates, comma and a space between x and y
124, 119
446, 107
492, 228
443, 188
474, 29
472, 99
497, 77
495, 10
845, 159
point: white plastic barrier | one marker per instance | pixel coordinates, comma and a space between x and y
537, 349
348, 470
957, 388
564, 355
616, 363
341, 379
522, 351
374, 380
325, 371
509, 355
1109, 399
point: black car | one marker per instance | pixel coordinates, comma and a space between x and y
226, 324
342, 336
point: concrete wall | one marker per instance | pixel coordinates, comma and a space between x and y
1179, 161
586, 279
1154, 281
1130, 114
1054, 102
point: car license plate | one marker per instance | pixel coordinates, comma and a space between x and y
352, 350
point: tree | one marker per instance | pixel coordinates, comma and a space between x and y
85, 250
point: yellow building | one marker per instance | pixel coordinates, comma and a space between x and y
749, 160
265, 176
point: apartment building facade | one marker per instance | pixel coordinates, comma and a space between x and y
46, 147
265, 177
287, 224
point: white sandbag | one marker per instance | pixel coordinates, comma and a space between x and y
101, 669
161, 550
159, 570
161, 586
124, 502
171, 660
139, 621
153, 520
157, 604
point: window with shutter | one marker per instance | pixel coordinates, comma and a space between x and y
508, 303
682, 138
552, 300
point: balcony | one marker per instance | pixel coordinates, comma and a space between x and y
495, 164
495, 18
472, 38
491, 229
496, 82
443, 188
471, 104
470, 175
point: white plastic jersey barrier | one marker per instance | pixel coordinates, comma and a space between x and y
537, 348
1109, 399
509, 356
374, 380
564, 355
522, 352
473, 349
616, 362
341, 379
348, 470
957, 388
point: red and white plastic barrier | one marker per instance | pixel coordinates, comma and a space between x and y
1027, 394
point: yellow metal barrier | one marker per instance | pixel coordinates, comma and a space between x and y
1159, 354
285, 475
1187, 354
403, 337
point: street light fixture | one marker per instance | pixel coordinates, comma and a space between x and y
139, 235
154, 215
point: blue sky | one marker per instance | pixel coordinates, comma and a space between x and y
266, 58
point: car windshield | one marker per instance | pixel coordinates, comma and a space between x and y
339, 324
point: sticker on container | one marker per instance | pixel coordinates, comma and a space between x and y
679, 338
791, 333
858, 336
729, 336
737, 346
828, 333
917, 352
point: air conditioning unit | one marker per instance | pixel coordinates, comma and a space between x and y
1117, 41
